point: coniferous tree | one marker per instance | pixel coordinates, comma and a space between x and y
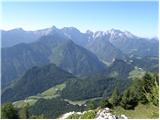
9, 112
105, 103
91, 105
129, 100
115, 98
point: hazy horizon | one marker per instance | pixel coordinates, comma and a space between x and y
94, 16
80, 30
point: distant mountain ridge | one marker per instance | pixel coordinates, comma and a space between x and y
55, 49
13, 36
101, 46
76, 52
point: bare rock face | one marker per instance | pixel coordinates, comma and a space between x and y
106, 114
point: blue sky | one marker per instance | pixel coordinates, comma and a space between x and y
140, 18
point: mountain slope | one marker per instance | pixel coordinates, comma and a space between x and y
49, 49
34, 81
133, 45
77, 37
76, 59
91, 87
105, 51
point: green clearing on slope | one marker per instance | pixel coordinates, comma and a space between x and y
136, 73
52, 92
141, 111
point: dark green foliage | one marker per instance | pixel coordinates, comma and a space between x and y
121, 67
137, 88
84, 89
74, 116
151, 88
142, 90
119, 70
88, 115
100, 86
115, 98
36, 80
9, 112
148, 81
105, 103
91, 105
53, 108
146, 88
129, 100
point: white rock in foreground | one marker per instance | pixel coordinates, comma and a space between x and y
66, 115
101, 114
123, 117
106, 114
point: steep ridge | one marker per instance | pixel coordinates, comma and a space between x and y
34, 81
105, 51
49, 49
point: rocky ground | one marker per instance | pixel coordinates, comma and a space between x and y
106, 114
101, 114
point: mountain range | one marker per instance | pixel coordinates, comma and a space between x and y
74, 51
88, 65
119, 41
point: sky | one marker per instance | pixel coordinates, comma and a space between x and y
139, 18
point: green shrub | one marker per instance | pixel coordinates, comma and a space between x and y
129, 100
105, 103
74, 116
91, 105
88, 115
115, 98
9, 112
